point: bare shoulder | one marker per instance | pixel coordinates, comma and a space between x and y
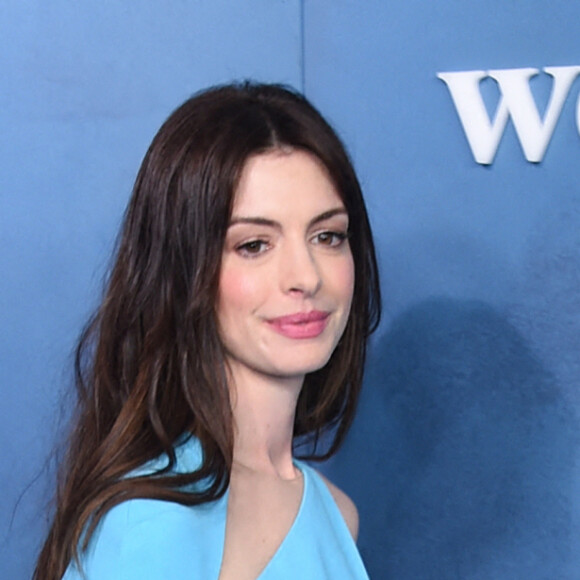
345, 505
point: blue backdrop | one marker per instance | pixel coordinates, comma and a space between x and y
463, 458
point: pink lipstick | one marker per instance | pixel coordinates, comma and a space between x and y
300, 325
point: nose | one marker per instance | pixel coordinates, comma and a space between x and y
299, 270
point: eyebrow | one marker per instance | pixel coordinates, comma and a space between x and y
261, 221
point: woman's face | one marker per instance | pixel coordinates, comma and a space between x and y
287, 273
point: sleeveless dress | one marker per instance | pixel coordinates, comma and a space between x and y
147, 539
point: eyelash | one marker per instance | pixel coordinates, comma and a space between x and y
338, 238
247, 249
256, 247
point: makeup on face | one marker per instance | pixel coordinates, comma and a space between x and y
287, 274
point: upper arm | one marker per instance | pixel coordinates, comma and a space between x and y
346, 507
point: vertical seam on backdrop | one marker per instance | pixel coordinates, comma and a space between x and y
302, 47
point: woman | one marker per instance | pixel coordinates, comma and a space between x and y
233, 329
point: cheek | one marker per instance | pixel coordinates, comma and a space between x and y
344, 279
239, 292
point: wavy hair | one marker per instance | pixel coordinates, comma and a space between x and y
150, 365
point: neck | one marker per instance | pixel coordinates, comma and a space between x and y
264, 409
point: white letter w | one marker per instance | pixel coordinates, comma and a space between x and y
516, 100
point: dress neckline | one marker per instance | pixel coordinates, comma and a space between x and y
303, 469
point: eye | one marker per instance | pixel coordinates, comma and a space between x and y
252, 248
330, 238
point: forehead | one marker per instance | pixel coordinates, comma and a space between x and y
280, 180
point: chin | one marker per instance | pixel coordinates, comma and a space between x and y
296, 367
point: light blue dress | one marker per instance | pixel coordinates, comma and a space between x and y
146, 539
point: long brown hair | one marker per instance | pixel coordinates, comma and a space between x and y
150, 364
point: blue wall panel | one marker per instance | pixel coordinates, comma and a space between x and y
468, 420
84, 87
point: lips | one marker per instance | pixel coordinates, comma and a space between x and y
301, 324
